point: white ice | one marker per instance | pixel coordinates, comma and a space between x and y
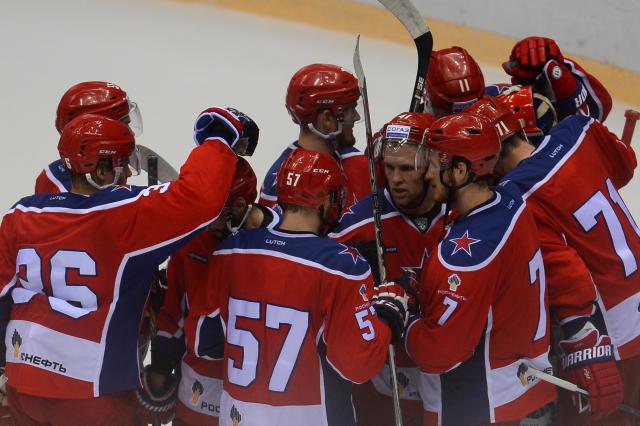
176, 59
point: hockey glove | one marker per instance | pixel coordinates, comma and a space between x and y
157, 398
529, 56
231, 126
589, 363
390, 303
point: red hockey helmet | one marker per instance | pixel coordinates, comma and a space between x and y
244, 182
98, 97
406, 128
534, 111
317, 87
454, 79
498, 114
467, 136
306, 179
89, 138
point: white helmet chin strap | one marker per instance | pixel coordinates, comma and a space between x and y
234, 229
117, 172
327, 136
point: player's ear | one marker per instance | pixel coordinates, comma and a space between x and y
325, 121
103, 170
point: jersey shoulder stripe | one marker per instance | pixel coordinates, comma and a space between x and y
303, 248
69, 202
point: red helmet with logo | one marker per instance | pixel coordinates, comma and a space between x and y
406, 128
101, 98
467, 136
317, 87
89, 138
244, 182
306, 179
534, 111
454, 79
498, 114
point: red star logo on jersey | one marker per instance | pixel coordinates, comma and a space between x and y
463, 243
355, 254
416, 269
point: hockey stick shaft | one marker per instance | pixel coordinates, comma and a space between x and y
413, 21
152, 179
377, 221
572, 387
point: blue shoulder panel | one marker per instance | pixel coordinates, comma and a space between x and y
269, 184
478, 236
550, 155
60, 172
69, 200
305, 248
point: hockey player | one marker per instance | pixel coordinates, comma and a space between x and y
89, 97
301, 317
588, 237
75, 266
483, 293
412, 223
200, 386
322, 100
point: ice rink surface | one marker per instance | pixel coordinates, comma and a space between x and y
175, 59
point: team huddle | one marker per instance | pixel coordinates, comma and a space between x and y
507, 255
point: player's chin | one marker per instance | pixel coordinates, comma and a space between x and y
346, 140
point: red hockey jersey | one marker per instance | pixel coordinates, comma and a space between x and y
484, 303
299, 327
571, 182
79, 270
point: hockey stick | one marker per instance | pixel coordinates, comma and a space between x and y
377, 222
165, 171
151, 161
524, 369
409, 16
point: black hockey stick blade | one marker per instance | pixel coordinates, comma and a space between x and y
413, 21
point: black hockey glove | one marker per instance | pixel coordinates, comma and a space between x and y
390, 303
157, 398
